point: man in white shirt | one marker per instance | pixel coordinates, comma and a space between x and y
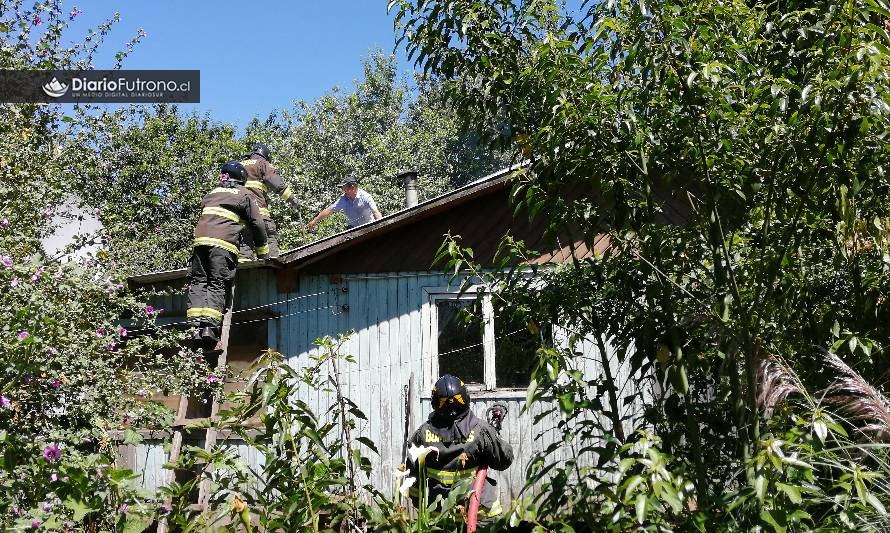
356, 204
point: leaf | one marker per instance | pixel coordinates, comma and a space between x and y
875, 502
131, 436
78, 508
760, 487
820, 429
640, 507
530, 393
369, 443
136, 523
778, 521
791, 491
567, 402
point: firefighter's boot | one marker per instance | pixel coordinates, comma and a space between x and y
209, 338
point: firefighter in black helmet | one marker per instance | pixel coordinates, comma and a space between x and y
463, 442
225, 211
262, 178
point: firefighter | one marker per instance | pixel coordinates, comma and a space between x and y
261, 179
224, 212
463, 442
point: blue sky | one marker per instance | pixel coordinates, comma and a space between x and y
254, 56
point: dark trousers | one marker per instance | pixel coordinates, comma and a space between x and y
211, 274
246, 252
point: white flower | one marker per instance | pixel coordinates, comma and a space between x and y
399, 473
406, 485
418, 453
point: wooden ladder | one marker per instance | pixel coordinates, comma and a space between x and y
182, 420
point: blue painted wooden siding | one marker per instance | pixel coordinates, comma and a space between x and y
389, 342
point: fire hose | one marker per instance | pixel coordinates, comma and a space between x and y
495, 415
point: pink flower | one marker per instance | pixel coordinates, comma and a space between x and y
52, 453
213, 379
123, 508
4, 223
74, 12
55, 383
23, 335
149, 310
35, 524
111, 346
53, 477
5, 402
122, 331
14, 282
37, 274
37, 20
47, 506
6, 261
100, 332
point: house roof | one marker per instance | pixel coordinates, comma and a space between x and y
318, 250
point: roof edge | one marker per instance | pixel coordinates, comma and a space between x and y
317, 247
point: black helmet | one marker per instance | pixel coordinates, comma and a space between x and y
263, 150
236, 171
450, 396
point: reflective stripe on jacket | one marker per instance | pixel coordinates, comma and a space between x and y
262, 178
463, 444
224, 212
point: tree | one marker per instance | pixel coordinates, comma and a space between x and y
734, 154
70, 373
147, 177
146, 168
380, 129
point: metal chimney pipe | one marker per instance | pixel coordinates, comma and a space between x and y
409, 181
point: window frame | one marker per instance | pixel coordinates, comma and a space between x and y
430, 315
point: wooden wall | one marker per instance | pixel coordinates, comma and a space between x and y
389, 343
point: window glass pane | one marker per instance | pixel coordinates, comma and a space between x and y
514, 349
460, 339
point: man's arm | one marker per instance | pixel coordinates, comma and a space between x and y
325, 213
491, 450
373, 205
257, 226
278, 186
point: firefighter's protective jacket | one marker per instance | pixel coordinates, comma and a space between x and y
464, 444
262, 178
224, 212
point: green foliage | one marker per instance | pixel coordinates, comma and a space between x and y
146, 167
147, 177
313, 464
733, 157
71, 376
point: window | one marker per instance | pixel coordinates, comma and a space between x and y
485, 345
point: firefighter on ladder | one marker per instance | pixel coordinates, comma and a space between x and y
262, 178
463, 443
224, 213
